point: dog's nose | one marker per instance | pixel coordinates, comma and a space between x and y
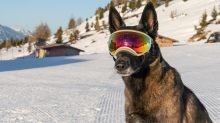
121, 66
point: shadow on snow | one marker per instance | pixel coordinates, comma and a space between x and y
22, 64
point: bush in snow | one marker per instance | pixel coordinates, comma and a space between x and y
173, 13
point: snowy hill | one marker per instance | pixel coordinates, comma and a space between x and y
181, 28
8, 32
86, 89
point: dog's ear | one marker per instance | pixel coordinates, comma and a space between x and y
149, 20
115, 20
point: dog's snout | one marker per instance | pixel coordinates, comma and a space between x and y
121, 66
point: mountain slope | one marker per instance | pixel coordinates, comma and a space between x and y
8, 32
181, 28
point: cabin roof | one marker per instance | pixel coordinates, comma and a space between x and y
57, 45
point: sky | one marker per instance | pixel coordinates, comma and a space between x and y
28, 14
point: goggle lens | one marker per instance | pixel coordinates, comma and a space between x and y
139, 42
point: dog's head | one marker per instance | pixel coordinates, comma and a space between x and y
127, 64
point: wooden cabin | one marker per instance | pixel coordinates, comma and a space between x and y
165, 41
54, 50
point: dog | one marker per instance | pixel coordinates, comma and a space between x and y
154, 92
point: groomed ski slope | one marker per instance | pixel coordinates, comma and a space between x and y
85, 89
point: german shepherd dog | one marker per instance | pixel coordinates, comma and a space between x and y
154, 91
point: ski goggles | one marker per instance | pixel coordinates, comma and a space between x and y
132, 41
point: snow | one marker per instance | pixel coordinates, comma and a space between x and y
86, 89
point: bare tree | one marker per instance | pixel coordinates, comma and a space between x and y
42, 32
8, 44
79, 21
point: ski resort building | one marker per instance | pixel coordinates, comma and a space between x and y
165, 41
54, 50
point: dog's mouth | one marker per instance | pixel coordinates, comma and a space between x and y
127, 72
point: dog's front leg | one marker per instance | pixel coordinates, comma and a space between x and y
134, 118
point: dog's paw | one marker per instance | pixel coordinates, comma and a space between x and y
134, 118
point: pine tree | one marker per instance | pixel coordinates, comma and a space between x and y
23, 42
71, 38
132, 5
72, 23
92, 25
59, 31
11, 41
167, 3
4, 43
97, 27
138, 5
76, 34
202, 21
101, 15
29, 47
124, 8
155, 2
17, 42
14, 43
112, 3
59, 39
214, 13
26, 39
87, 27
219, 10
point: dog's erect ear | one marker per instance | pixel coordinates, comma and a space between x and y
149, 20
115, 20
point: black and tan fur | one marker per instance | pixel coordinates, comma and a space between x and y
154, 91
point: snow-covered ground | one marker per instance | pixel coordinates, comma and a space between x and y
85, 89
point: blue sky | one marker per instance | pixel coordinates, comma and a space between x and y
28, 14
